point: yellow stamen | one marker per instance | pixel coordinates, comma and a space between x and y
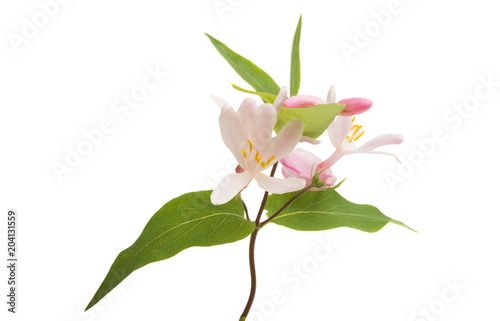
263, 164
359, 135
244, 153
257, 158
251, 145
270, 159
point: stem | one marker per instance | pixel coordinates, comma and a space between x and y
253, 275
253, 238
286, 204
264, 199
244, 206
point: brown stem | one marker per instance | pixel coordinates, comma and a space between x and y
253, 238
286, 204
253, 275
244, 206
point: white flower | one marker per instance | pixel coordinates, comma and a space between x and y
248, 135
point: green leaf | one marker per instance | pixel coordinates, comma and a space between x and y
186, 221
316, 118
268, 98
324, 210
253, 75
295, 64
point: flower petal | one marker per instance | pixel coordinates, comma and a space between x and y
310, 140
284, 142
382, 140
258, 121
330, 161
331, 98
301, 101
279, 185
385, 153
280, 99
355, 106
219, 101
229, 187
232, 133
302, 162
338, 131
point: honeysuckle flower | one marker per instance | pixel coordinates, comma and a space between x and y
303, 164
353, 106
248, 135
338, 132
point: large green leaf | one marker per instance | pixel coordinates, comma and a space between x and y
186, 221
295, 61
253, 75
324, 210
316, 118
268, 98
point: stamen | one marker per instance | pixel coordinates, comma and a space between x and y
359, 135
257, 158
263, 164
244, 153
251, 145
270, 159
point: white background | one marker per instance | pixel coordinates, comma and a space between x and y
426, 59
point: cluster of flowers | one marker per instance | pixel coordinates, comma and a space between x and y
248, 133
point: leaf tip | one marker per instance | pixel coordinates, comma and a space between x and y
403, 225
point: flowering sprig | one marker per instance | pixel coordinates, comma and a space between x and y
261, 137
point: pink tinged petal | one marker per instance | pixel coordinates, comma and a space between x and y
338, 131
355, 106
301, 162
331, 98
382, 140
229, 187
328, 177
219, 101
283, 143
239, 169
258, 121
302, 101
232, 133
385, 153
279, 185
280, 99
310, 140
288, 172
330, 161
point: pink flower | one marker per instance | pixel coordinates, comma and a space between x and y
303, 164
248, 135
339, 130
353, 106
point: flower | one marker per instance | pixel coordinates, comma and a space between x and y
303, 164
338, 132
353, 106
248, 135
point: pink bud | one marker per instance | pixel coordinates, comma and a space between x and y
302, 164
302, 101
354, 106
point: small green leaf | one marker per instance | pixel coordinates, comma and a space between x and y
324, 210
316, 118
295, 64
268, 98
253, 75
186, 221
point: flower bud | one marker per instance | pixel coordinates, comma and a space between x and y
303, 164
301, 101
355, 106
